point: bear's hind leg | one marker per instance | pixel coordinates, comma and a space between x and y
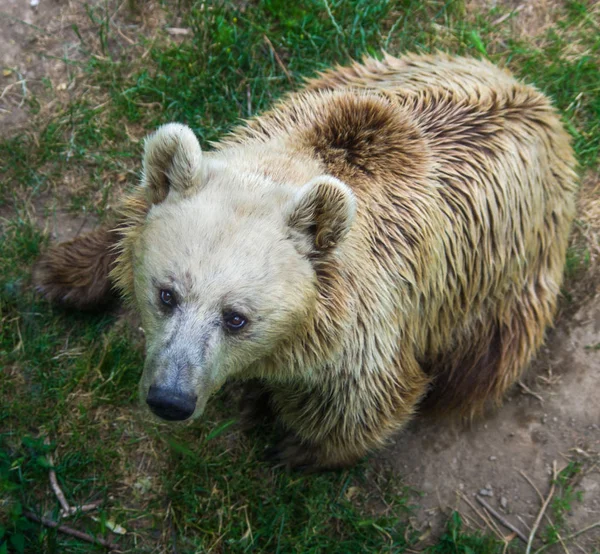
486, 364
75, 273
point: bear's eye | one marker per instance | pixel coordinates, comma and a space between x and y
167, 297
234, 321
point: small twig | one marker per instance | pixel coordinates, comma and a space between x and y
330, 14
571, 536
23, 88
149, 49
562, 543
499, 531
178, 31
551, 379
466, 501
483, 517
507, 15
66, 509
70, 531
581, 452
524, 524
278, 59
527, 390
249, 100
538, 519
541, 497
9, 86
86, 507
502, 519
130, 41
528, 479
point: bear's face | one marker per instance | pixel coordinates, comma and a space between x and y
223, 268
217, 290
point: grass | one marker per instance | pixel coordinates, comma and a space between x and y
71, 379
562, 503
456, 541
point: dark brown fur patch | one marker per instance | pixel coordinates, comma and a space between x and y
76, 273
473, 376
365, 134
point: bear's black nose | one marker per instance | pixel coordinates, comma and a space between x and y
169, 404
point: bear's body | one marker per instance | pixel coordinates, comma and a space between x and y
393, 233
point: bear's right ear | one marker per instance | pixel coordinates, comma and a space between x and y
172, 161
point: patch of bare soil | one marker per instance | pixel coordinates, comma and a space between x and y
42, 45
26, 31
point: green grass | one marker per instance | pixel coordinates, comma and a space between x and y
456, 541
562, 503
72, 379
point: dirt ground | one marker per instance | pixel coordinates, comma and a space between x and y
553, 417
24, 32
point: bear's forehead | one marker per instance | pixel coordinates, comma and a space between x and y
204, 239
214, 218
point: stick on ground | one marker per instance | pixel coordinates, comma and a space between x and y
66, 509
278, 59
502, 519
527, 390
70, 531
489, 522
539, 517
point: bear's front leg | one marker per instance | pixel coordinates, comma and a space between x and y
335, 424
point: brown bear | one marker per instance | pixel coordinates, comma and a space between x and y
391, 237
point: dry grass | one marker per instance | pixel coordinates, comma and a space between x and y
529, 19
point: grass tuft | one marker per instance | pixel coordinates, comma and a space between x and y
456, 541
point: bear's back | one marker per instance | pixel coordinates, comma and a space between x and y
413, 73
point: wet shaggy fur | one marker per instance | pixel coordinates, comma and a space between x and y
436, 292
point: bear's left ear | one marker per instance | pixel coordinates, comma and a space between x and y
323, 210
172, 161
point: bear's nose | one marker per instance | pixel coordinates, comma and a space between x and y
169, 404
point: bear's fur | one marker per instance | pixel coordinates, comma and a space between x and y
395, 234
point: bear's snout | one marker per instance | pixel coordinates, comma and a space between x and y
169, 404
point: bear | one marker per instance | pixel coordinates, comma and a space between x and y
390, 239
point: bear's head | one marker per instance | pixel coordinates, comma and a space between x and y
221, 265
